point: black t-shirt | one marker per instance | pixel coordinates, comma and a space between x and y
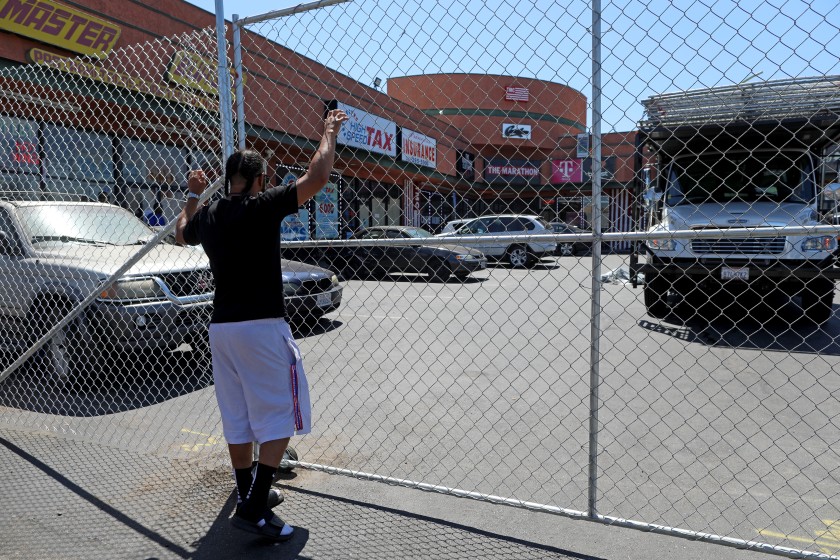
241, 236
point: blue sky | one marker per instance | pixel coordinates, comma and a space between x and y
648, 46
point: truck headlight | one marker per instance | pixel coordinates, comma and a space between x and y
823, 243
662, 244
133, 290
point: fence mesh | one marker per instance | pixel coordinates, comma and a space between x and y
449, 340
96, 152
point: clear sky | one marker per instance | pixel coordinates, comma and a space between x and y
649, 46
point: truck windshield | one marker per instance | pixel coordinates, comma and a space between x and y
743, 177
82, 223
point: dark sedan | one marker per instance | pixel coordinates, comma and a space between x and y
570, 248
310, 292
428, 256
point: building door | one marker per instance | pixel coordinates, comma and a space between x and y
394, 212
379, 212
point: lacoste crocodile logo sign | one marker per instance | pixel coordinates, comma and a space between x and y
521, 131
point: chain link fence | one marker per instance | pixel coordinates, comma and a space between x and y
631, 322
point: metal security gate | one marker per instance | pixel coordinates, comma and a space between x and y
676, 373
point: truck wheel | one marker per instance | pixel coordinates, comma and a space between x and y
518, 256
656, 293
64, 358
818, 300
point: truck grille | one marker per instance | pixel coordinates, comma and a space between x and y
739, 246
190, 282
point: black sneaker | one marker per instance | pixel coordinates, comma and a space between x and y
274, 528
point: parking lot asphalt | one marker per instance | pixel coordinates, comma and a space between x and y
139, 471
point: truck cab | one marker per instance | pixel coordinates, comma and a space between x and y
722, 161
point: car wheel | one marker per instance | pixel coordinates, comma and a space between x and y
566, 249
518, 256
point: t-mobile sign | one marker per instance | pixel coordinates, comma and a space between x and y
566, 171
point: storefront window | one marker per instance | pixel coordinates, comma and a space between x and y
77, 162
294, 227
326, 212
153, 174
19, 145
19, 186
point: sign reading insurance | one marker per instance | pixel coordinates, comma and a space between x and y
52, 22
418, 149
512, 172
367, 131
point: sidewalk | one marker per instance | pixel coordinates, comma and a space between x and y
65, 499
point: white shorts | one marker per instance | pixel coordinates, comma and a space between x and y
260, 383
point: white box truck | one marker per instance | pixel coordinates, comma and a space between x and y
735, 161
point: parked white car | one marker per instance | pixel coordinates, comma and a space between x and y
517, 254
454, 225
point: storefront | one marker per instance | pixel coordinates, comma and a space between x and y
410, 156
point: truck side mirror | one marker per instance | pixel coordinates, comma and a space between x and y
832, 191
651, 196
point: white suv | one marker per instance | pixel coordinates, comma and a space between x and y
517, 254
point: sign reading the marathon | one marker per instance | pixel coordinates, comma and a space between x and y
512, 172
57, 24
566, 171
520, 131
367, 131
466, 165
418, 149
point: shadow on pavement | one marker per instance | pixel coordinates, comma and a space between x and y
773, 326
333, 527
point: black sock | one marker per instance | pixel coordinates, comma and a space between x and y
255, 505
244, 480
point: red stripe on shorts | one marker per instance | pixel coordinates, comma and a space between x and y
295, 401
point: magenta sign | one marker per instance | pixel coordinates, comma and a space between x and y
566, 171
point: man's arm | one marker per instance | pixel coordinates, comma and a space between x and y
322, 162
196, 183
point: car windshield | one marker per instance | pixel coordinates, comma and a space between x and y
83, 223
417, 232
745, 177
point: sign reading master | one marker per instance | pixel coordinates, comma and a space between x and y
58, 24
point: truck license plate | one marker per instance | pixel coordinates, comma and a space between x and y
323, 300
727, 273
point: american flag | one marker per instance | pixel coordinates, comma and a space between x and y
513, 93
